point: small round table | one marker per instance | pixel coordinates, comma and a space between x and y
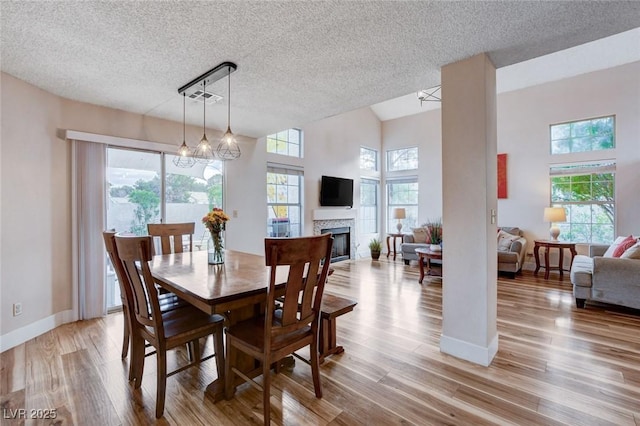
548, 245
427, 255
394, 236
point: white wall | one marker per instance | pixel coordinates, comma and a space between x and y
332, 148
424, 131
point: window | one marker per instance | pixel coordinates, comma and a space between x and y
284, 201
587, 192
402, 159
402, 193
368, 206
368, 159
581, 136
286, 142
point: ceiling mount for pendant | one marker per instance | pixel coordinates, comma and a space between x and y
220, 71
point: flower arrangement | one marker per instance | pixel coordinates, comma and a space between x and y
434, 229
215, 220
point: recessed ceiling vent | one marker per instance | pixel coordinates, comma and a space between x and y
206, 97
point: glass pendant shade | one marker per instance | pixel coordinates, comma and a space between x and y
204, 151
184, 156
228, 148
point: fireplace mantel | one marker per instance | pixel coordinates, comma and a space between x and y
333, 214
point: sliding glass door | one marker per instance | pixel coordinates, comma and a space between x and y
146, 187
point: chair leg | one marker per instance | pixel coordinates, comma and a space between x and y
136, 364
195, 350
218, 347
229, 376
266, 391
126, 334
315, 368
161, 389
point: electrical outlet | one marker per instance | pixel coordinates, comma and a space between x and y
17, 309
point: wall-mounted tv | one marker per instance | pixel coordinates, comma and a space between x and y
336, 192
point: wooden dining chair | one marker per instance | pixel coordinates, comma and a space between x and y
271, 337
163, 330
168, 301
171, 235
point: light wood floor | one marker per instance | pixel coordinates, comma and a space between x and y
555, 365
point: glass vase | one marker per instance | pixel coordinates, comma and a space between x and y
215, 249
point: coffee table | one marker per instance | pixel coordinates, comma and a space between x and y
426, 255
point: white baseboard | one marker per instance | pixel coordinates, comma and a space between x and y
469, 351
35, 329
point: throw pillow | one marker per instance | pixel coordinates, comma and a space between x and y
420, 235
613, 247
624, 245
632, 252
505, 239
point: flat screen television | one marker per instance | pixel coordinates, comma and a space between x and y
336, 192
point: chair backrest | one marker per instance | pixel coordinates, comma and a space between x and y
112, 251
305, 283
135, 254
171, 235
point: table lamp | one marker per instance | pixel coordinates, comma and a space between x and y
554, 214
399, 213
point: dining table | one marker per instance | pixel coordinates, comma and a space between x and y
236, 289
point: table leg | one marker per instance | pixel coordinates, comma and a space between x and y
546, 263
536, 252
388, 247
572, 249
394, 249
421, 262
561, 265
244, 362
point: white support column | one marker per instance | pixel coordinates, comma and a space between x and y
469, 186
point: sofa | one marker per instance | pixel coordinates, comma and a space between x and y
511, 253
614, 280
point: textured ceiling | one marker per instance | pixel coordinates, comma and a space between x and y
298, 62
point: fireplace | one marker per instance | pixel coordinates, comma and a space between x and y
341, 243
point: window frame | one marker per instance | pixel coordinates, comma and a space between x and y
575, 208
287, 141
375, 160
406, 150
572, 140
364, 181
411, 220
288, 171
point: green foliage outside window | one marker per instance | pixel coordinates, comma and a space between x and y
590, 203
582, 136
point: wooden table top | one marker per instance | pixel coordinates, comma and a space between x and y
241, 280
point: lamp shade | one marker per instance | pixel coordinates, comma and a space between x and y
399, 213
555, 214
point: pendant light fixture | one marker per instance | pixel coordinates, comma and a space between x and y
184, 156
228, 148
204, 151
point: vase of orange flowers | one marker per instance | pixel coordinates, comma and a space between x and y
215, 221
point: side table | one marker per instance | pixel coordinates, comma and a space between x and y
393, 236
548, 245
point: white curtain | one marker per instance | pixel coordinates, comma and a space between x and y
89, 205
